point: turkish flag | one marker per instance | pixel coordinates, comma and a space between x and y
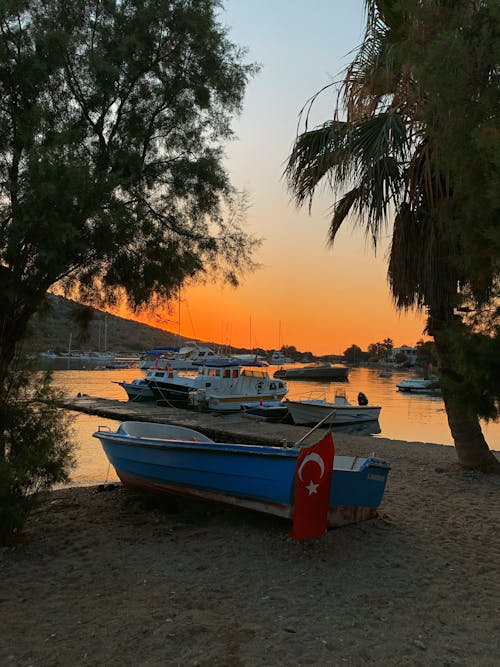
313, 478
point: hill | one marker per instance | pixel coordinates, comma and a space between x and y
56, 329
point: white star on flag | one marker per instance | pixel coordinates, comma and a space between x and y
312, 488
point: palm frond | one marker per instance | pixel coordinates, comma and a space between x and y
421, 268
316, 154
341, 209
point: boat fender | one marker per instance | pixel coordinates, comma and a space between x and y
362, 399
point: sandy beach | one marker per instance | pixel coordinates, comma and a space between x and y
113, 577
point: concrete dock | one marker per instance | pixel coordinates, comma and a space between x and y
226, 427
220, 427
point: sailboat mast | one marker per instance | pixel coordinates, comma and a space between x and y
179, 317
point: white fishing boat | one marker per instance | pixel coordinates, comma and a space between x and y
339, 411
419, 385
220, 384
227, 386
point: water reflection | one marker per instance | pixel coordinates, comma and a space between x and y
363, 428
93, 466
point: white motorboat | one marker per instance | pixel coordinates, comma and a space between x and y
277, 359
420, 385
160, 355
340, 411
191, 355
185, 358
138, 390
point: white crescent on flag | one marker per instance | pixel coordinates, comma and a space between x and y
317, 459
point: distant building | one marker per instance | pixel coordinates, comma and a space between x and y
409, 352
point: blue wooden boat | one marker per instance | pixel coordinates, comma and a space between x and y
174, 459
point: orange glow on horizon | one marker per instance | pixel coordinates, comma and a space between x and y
320, 302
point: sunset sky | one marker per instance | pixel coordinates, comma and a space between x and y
316, 298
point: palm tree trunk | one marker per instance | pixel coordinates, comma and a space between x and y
470, 445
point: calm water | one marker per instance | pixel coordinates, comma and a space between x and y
403, 416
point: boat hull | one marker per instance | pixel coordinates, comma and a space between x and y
137, 392
221, 403
312, 412
332, 373
251, 476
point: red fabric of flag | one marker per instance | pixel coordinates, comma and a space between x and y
313, 478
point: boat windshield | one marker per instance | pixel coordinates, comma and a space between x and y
255, 374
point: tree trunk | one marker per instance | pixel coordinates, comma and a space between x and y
13, 326
470, 445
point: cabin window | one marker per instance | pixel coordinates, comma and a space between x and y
201, 354
227, 373
272, 385
235, 373
159, 375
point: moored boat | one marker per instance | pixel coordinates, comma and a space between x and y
172, 459
137, 390
220, 384
336, 412
419, 385
314, 372
160, 355
227, 386
271, 411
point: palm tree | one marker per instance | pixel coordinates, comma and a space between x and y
380, 155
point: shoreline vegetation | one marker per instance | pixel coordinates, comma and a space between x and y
105, 575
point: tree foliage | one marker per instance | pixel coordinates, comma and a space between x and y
415, 136
354, 355
37, 440
380, 351
112, 117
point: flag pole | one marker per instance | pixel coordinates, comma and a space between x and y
330, 414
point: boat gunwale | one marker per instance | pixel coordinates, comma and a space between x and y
222, 447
